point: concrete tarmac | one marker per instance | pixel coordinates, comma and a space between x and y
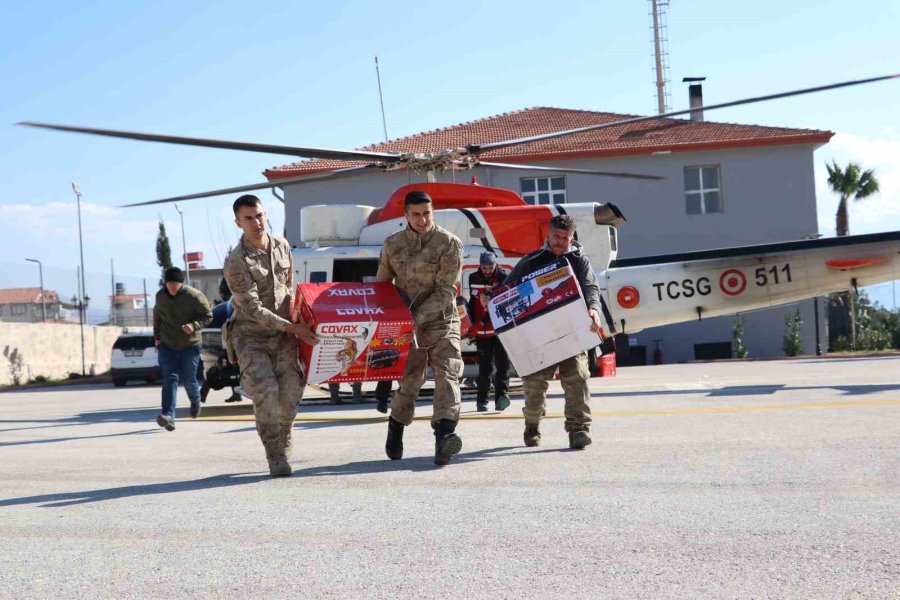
769, 479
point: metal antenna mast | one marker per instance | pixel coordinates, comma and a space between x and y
381, 99
661, 52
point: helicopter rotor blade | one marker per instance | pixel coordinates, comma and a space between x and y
476, 148
300, 151
566, 170
348, 172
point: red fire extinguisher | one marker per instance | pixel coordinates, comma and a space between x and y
657, 354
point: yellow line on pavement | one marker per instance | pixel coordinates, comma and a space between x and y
235, 415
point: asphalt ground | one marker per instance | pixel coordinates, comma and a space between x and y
776, 479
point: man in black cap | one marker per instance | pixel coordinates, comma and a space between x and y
178, 316
490, 351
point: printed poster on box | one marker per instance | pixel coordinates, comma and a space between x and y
542, 318
364, 331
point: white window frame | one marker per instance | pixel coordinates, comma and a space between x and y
533, 197
702, 191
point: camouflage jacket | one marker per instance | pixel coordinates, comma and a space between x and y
261, 285
425, 270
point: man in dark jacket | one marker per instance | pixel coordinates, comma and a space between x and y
573, 372
490, 351
178, 316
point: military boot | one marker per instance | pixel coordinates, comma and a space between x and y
334, 390
446, 442
286, 438
394, 444
278, 464
532, 435
578, 440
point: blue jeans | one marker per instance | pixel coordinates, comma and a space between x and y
178, 365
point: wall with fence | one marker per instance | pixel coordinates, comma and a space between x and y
54, 350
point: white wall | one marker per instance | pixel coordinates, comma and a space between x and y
54, 350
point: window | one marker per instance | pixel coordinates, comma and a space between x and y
18, 309
543, 190
702, 190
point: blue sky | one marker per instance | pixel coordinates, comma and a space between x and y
303, 73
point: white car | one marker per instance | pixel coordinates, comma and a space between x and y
134, 357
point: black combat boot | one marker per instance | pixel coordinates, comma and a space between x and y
334, 390
446, 442
357, 393
579, 440
394, 444
532, 435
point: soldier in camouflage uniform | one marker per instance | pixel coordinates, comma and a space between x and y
573, 372
259, 272
424, 262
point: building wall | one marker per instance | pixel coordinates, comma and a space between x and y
54, 350
768, 195
33, 313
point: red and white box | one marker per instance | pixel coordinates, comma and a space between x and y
364, 331
542, 318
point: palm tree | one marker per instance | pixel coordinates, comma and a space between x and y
849, 182
859, 184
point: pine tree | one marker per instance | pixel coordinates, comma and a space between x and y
737, 338
163, 252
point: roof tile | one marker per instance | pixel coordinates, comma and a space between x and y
633, 138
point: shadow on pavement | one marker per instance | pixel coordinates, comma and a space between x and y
416, 464
751, 390
85, 437
71, 498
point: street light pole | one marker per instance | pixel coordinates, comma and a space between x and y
82, 304
41, 275
187, 269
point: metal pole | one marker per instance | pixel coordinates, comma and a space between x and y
146, 308
657, 47
187, 269
115, 297
80, 304
816, 312
381, 99
83, 300
43, 301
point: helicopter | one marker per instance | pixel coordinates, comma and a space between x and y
641, 292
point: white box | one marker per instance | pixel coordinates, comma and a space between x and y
542, 318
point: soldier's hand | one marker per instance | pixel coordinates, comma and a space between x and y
303, 331
187, 328
595, 322
483, 299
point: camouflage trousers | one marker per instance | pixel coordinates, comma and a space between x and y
573, 375
270, 375
442, 349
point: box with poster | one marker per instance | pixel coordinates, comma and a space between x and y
542, 318
364, 331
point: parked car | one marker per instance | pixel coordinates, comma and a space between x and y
134, 357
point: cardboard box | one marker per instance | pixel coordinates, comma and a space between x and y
364, 331
542, 319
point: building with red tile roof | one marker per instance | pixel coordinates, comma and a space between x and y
645, 137
723, 184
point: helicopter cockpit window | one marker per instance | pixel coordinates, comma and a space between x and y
702, 190
543, 190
